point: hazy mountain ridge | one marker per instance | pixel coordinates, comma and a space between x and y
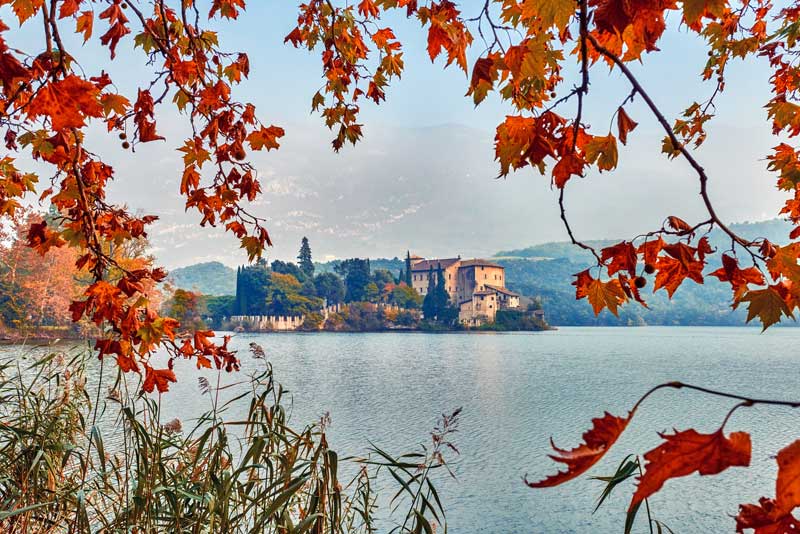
209, 278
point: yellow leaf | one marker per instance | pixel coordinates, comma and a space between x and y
603, 151
549, 12
606, 295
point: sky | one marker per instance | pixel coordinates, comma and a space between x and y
424, 177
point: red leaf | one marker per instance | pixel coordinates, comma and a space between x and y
774, 516
672, 271
596, 442
157, 379
763, 518
678, 224
738, 278
623, 258
683, 453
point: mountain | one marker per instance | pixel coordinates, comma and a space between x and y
546, 271
775, 230
210, 278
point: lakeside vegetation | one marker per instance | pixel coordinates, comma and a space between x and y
75, 458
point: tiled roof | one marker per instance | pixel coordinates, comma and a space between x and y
485, 292
479, 262
426, 265
503, 290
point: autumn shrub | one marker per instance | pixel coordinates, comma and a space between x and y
82, 458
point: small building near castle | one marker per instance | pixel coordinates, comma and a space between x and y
476, 286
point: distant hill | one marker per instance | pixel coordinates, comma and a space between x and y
375, 264
211, 278
546, 271
775, 230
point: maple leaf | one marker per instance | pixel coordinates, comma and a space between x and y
600, 294
767, 304
625, 125
651, 249
672, 271
603, 151
738, 278
623, 258
549, 12
685, 452
787, 486
85, 24
24, 9
678, 224
783, 262
568, 166
693, 10
596, 442
157, 379
67, 102
763, 518
774, 516
265, 138
484, 74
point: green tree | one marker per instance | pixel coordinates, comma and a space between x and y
287, 267
219, 306
408, 269
304, 259
284, 297
406, 297
356, 274
329, 287
252, 289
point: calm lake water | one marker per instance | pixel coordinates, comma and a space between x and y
518, 389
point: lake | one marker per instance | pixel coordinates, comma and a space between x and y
518, 389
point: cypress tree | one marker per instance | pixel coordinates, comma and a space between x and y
408, 268
304, 259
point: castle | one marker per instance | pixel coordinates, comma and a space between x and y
476, 287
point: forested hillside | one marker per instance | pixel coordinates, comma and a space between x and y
212, 278
543, 270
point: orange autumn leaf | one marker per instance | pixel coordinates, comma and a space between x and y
623, 257
774, 516
680, 264
625, 125
787, 486
687, 451
157, 379
602, 150
68, 103
596, 442
737, 277
600, 294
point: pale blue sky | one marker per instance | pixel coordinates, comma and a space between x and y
424, 176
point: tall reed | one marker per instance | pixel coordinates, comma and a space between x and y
60, 473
